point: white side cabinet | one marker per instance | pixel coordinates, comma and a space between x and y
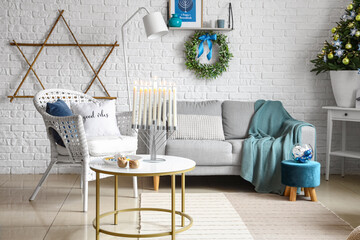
344, 115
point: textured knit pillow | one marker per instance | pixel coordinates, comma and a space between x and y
59, 109
199, 120
99, 119
199, 127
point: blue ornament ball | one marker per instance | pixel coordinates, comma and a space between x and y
302, 152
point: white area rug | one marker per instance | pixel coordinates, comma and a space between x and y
270, 216
244, 216
214, 217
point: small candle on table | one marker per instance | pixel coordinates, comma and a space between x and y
164, 107
145, 106
134, 106
174, 106
140, 104
159, 109
154, 106
150, 107
170, 118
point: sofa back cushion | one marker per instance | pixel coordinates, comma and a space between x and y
237, 118
210, 108
199, 120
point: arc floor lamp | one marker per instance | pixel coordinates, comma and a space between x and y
155, 27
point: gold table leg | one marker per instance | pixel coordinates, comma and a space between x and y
116, 199
183, 198
97, 205
172, 207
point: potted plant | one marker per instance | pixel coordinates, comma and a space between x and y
342, 57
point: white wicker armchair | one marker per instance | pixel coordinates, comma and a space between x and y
71, 131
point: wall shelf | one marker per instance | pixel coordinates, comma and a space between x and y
200, 29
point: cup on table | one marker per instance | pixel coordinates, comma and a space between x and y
220, 23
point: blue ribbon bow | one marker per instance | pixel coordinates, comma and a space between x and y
207, 38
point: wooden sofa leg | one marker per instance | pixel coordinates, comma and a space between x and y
156, 182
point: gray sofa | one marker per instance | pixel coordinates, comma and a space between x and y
214, 157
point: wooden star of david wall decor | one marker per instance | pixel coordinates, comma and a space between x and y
76, 44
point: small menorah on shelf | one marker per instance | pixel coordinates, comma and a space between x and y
154, 116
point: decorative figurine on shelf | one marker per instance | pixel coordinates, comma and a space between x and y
175, 21
302, 153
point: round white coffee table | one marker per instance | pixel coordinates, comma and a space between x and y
172, 166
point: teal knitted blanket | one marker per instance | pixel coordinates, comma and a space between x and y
272, 134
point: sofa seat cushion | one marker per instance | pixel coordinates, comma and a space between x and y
237, 145
106, 145
203, 152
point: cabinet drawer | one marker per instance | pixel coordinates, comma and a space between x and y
346, 115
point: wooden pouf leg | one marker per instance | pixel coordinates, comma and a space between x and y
312, 194
293, 191
306, 192
287, 191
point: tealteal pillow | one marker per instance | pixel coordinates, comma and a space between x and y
59, 109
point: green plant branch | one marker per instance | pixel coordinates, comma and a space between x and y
347, 32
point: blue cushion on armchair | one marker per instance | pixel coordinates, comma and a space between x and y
59, 109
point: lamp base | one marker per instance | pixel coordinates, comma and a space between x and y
156, 160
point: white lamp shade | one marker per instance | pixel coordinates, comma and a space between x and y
155, 26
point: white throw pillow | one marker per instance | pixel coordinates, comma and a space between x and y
99, 119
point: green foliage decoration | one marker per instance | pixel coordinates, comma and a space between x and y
207, 71
346, 38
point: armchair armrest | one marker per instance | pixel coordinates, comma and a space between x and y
71, 130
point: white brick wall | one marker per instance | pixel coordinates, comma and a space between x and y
272, 44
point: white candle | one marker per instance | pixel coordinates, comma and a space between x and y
164, 107
140, 104
170, 118
150, 108
145, 106
154, 105
134, 106
159, 109
175, 106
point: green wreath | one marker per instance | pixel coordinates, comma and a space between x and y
207, 71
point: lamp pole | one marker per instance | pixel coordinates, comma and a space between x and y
124, 50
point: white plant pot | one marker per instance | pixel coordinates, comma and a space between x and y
344, 84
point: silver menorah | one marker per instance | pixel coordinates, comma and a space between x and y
154, 137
